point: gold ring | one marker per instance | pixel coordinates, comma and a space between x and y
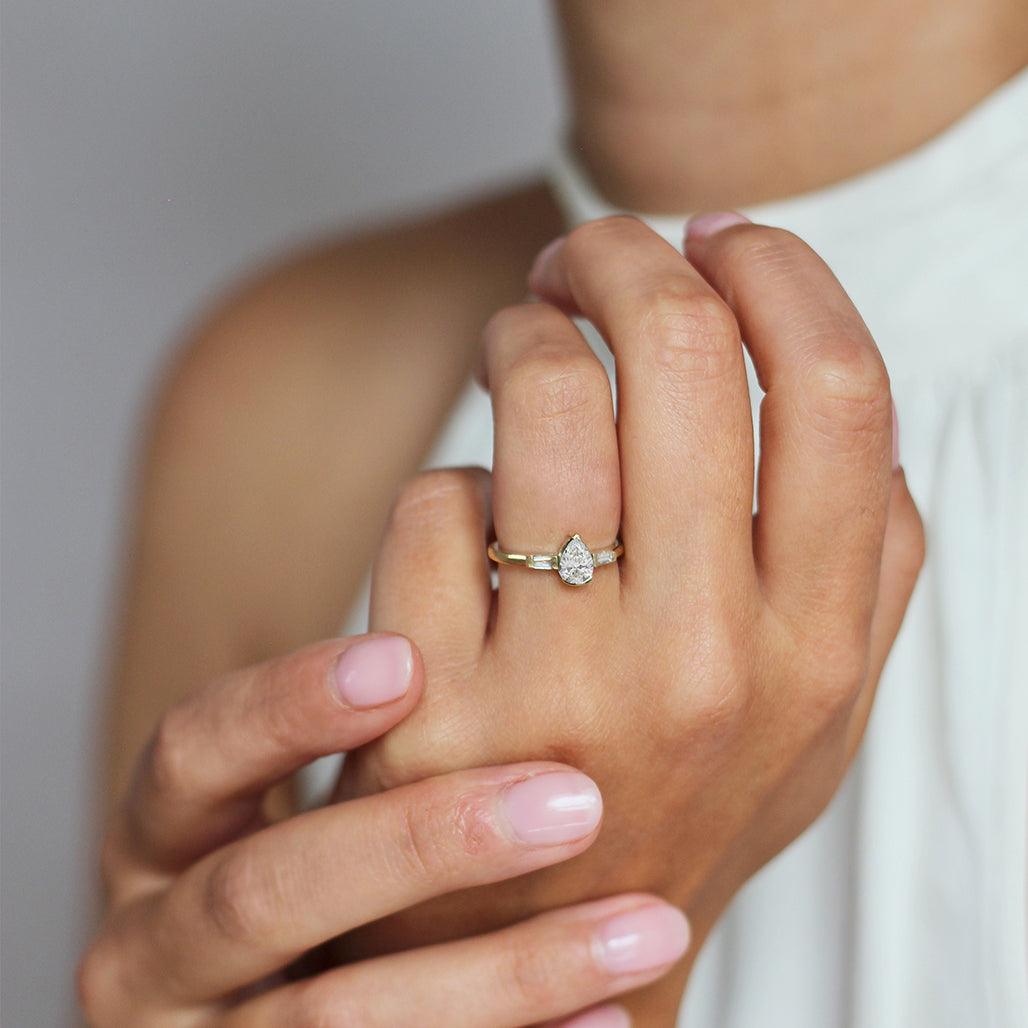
574, 561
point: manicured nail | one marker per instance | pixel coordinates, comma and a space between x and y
599, 1017
642, 939
552, 808
895, 439
375, 671
541, 274
703, 226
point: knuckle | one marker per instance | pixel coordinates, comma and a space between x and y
831, 678
715, 697
240, 899
520, 322
762, 250
417, 842
547, 385
848, 388
583, 241
694, 336
435, 497
711, 693
839, 685
437, 832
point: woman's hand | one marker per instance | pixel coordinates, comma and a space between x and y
718, 680
210, 905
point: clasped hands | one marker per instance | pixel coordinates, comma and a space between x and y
543, 777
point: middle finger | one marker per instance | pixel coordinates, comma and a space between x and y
252, 908
684, 421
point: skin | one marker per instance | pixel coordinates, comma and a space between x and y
209, 903
266, 480
322, 346
710, 105
750, 706
321, 350
719, 741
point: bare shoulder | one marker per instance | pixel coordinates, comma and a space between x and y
283, 428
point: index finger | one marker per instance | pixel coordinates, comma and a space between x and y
203, 777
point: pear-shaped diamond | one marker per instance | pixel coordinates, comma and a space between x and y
575, 563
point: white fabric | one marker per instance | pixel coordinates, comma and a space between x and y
905, 904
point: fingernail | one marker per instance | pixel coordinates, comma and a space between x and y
374, 672
552, 808
642, 939
542, 267
600, 1017
895, 439
703, 226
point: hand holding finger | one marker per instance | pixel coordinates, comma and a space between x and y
251, 908
203, 777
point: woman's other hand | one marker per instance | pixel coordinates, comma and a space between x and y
212, 906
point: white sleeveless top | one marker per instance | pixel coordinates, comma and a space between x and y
904, 905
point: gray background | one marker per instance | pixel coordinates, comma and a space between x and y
152, 151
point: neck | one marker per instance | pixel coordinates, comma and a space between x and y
722, 103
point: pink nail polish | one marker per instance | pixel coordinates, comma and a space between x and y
552, 808
895, 439
540, 275
600, 1017
642, 939
703, 226
374, 671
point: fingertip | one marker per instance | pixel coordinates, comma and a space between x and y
377, 671
644, 939
700, 227
552, 808
543, 278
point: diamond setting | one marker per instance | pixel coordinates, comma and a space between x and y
575, 562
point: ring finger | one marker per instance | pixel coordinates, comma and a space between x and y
555, 457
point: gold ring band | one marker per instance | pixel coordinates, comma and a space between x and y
574, 561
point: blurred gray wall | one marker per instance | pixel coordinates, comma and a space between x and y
151, 152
